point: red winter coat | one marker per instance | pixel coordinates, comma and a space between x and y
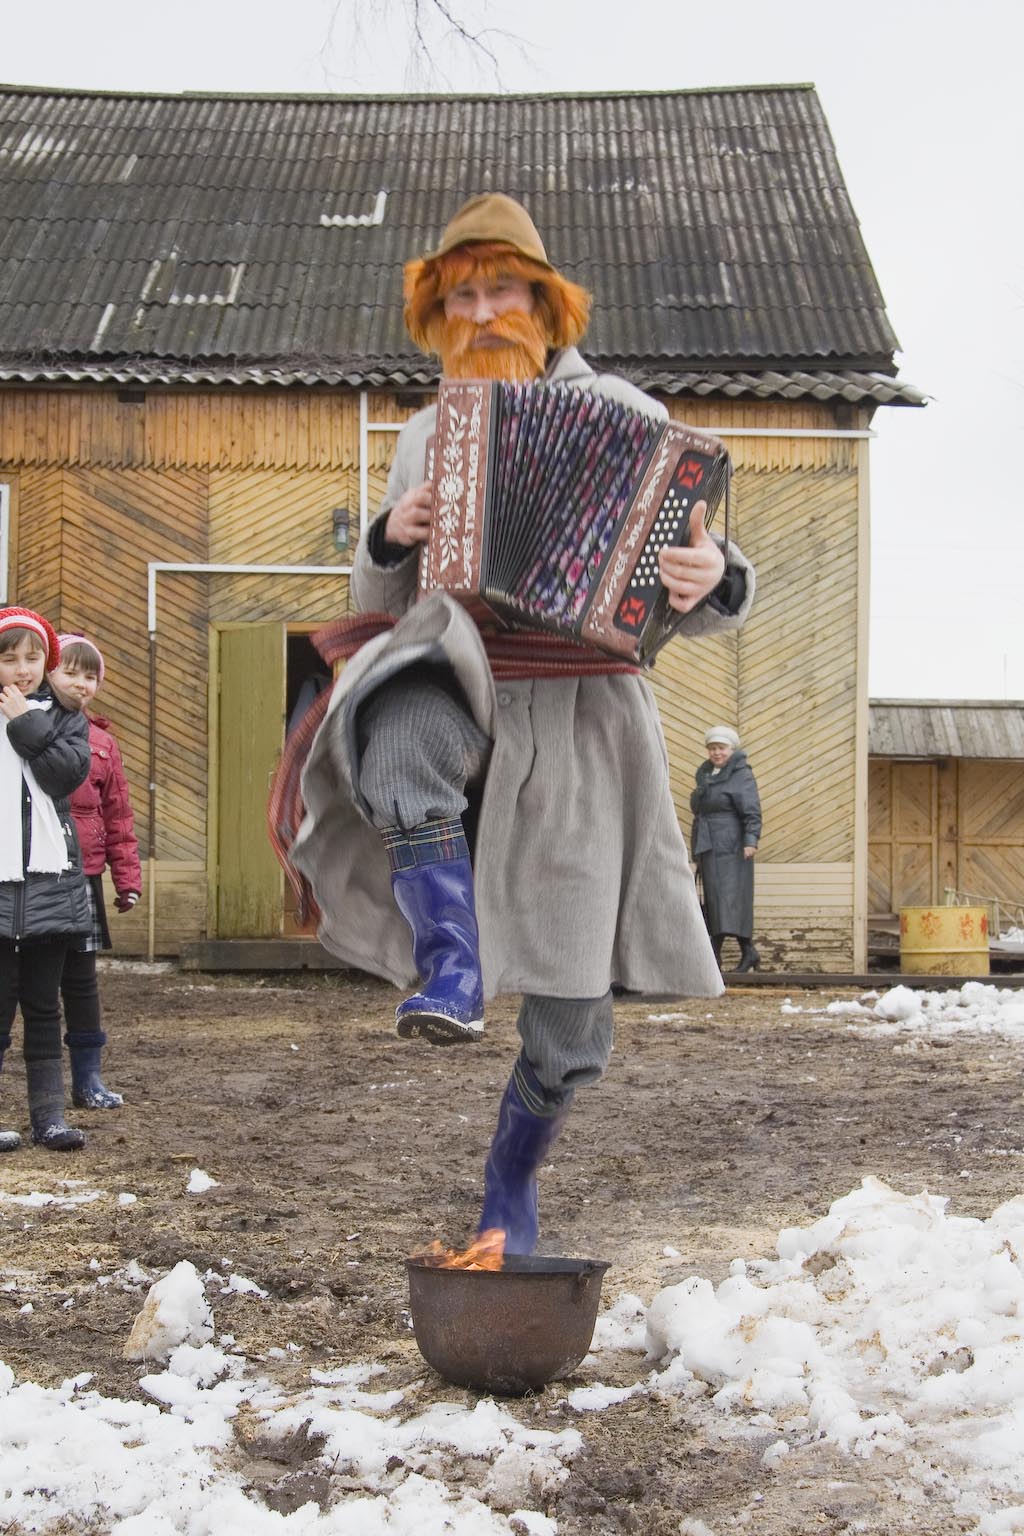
103, 813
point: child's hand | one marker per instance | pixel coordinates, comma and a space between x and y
12, 702
125, 900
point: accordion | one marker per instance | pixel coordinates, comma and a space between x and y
550, 505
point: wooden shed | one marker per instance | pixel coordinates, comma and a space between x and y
203, 367
946, 806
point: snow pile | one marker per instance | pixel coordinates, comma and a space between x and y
66, 1200
887, 1325
137, 1471
175, 1312
975, 1008
199, 1182
887, 1328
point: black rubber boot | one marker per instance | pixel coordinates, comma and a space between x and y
46, 1107
750, 960
717, 940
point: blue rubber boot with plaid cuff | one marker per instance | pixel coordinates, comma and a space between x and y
529, 1124
432, 881
88, 1090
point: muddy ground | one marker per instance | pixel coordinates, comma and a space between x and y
338, 1148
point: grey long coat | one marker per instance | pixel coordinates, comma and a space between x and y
581, 873
727, 819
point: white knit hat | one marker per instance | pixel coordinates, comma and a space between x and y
723, 734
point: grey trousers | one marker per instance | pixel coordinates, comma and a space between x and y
419, 750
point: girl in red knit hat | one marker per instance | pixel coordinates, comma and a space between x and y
106, 830
44, 756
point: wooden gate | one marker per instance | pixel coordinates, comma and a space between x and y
950, 824
990, 802
249, 667
903, 851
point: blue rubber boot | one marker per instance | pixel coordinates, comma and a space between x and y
528, 1127
88, 1090
432, 881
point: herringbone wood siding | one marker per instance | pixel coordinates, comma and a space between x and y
787, 682
39, 553
280, 517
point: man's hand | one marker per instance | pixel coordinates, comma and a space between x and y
691, 572
12, 702
409, 519
749, 853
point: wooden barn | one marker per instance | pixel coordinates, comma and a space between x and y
203, 366
946, 797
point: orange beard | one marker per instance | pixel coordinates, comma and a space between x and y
522, 359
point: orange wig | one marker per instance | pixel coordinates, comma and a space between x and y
563, 307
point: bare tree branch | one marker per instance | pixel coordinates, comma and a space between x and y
430, 29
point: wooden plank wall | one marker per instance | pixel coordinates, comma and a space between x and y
103, 486
787, 680
200, 476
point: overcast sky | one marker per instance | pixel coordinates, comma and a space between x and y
925, 100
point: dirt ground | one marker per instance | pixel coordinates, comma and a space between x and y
339, 1148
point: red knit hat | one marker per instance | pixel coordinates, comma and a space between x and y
27, 618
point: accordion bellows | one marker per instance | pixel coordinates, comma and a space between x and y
550, 504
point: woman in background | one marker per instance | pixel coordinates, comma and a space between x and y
726, 830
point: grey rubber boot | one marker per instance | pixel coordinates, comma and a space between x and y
46, 1107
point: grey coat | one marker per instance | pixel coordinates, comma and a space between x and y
581, 873
726, 819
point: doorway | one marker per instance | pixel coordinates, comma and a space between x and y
265, 675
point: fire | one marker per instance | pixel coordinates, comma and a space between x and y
487, 1252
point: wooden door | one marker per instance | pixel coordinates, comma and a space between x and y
991, 828
903, 835
250, 731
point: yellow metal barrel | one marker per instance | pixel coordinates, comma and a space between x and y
944, 941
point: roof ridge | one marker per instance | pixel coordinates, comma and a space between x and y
7, 88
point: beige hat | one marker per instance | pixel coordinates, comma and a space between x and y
491, 230
493, 217
724, 734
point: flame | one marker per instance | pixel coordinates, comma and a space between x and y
487, 1252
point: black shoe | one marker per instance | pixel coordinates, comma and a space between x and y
750, 960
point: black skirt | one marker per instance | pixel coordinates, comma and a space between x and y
98, 936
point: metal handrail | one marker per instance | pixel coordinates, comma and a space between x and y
1003, 912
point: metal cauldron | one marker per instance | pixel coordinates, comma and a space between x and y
510, 1330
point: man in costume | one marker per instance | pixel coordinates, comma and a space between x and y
578, 879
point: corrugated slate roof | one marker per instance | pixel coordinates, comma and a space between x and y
946, 728
262, 238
